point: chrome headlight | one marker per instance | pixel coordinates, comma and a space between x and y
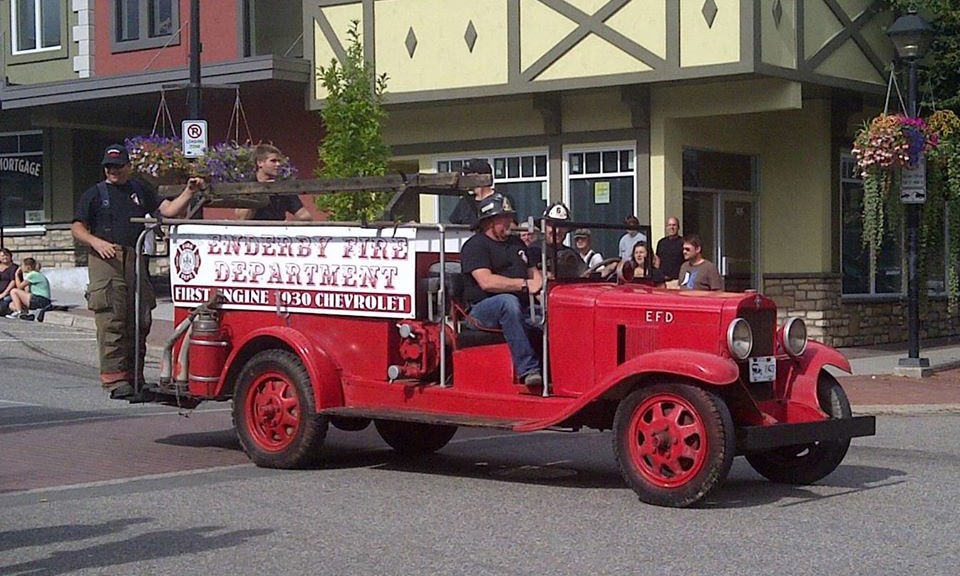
795, 336
739, 339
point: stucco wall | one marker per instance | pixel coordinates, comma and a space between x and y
446, 122
794, 169
219, 29
791, 140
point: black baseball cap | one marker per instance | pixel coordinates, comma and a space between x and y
116, 155
476, 166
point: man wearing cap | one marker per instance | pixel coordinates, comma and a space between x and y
498, 277
102, 222
581, 239
465, 212
632, 236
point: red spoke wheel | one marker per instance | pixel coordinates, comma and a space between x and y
807, 463
674, 443
274, 412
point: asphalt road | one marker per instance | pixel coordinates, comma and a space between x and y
92, 486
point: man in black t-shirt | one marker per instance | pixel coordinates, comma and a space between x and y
102, 222
497, 279
670, 253
269, 160
465, 212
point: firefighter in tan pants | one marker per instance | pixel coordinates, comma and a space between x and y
102, 222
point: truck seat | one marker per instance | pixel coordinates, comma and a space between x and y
470, 334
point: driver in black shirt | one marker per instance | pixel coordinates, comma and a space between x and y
498, 276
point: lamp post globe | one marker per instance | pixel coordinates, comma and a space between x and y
911, 36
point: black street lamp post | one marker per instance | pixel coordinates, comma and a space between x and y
911, 36
194, 89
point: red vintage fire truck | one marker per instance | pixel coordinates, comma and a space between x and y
304, 325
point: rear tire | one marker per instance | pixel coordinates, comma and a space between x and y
414, 438
807, 463
674, 443
274, 412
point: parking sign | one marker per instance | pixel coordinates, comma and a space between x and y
913, 183
194, 137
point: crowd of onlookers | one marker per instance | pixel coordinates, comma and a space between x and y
24, 288
677, 262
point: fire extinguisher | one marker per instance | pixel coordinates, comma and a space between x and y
207, 355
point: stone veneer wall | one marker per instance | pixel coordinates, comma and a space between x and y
852, 322
54, 247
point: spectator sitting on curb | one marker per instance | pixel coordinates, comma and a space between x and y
32, 291
8, 276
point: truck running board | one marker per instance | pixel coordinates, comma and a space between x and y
424, 417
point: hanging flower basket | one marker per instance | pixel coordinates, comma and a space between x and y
892, 142
887, 143
158, 159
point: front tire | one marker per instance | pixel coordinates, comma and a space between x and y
674, 443
807, 463
414, 438
274, 412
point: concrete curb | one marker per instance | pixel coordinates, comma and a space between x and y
906, 409
70, 320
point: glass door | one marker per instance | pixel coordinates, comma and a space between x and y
736, 244
719, 205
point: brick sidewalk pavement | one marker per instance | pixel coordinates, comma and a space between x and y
882, 390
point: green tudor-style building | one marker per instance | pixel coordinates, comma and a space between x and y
734, 115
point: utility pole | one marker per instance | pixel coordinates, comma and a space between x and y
194, 88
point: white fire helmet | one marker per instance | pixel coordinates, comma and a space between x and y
557, 211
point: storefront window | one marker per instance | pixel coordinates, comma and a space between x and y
863, 275
21, 179
521, 176
36, 25
140, 24
601, 187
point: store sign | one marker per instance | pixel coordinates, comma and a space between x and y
31, 165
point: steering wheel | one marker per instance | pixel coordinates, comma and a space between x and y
598, 267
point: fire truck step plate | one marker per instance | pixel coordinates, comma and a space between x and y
424, 417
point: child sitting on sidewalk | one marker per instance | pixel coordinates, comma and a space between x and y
32, 291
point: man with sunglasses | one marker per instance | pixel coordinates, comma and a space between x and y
696, 272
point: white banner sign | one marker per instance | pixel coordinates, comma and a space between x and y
315, 270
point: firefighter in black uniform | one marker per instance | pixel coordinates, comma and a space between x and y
102, 222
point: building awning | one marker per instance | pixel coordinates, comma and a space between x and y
254, 69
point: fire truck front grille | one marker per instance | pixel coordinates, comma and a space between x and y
633, 341
763, 323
